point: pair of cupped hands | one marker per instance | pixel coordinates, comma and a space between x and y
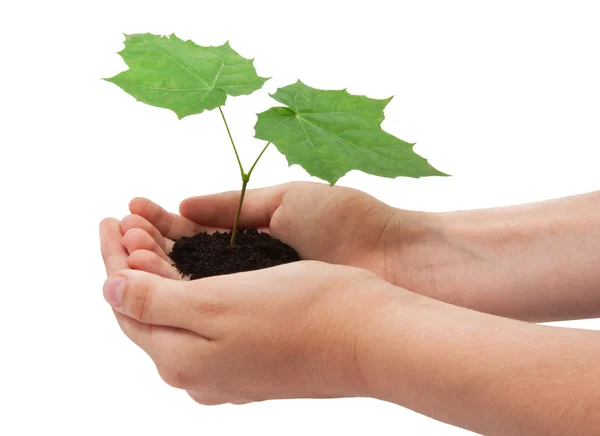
291, 331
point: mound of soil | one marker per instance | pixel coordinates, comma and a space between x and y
204, 255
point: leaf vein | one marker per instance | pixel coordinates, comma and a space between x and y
184, 67
350, 143
313, 147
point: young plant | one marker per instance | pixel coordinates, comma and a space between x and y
326, 132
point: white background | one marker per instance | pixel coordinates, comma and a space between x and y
502, 95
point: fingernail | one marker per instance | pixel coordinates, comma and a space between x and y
113, 290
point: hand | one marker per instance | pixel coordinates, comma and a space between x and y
331, 224
315, 330
284, 332
531, 262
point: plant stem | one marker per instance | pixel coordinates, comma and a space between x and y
257, 159
237, 156
245, 180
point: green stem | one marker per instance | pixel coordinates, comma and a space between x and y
245, 180
237, 156
257, 159
245, 177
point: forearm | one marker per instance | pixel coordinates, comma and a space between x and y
535, 262
484, 373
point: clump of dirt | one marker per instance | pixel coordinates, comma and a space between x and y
205, 255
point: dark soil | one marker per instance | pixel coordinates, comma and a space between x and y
204, 255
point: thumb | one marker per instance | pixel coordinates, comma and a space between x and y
218, 210
150, 299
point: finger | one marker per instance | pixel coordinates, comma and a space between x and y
219, 210
144, 260
157, 341
138, 239
139, 333
136, 221
168, 224
113, 252
151, 299
115, 257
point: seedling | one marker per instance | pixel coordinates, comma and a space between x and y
326, 132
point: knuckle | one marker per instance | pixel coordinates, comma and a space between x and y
296, 185
174, 377
139, 301
280, 221
206, 399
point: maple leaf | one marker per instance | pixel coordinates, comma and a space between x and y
182, 76
329, 133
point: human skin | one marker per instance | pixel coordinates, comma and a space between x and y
316, 330
535, 262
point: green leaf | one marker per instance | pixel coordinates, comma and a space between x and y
329, 133
179, 75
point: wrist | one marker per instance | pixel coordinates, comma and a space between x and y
377, 325
533, 262
396, 349
429, 253
361, 303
